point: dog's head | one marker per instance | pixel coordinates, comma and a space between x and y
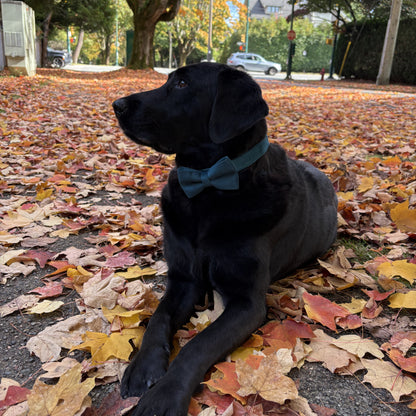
202, 103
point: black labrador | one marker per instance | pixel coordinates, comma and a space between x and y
238, 214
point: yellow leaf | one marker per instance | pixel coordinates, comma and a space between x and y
346, 196
65, 398
403, 300
398, 268
136, 271
103, 347
126, 318
366, 184
46, 306
355, 306
404, 217
43, 194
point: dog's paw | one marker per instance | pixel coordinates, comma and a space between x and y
142, 373
164, 399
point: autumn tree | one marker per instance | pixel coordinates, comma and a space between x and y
190, 27
146, 14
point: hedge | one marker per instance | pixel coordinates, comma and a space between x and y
367, 41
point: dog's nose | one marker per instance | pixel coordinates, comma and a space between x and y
120, 107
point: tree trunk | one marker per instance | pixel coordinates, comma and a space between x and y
383, 77
107, 48
45, 36
146, 14
78, 48
141, 55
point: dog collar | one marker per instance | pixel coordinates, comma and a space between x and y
223, 174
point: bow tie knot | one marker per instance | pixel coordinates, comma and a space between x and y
223, 174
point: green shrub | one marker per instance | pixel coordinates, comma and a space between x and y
367, 41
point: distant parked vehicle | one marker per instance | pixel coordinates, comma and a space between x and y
58, 59
253, 62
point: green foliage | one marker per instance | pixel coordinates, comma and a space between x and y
268, 37
367, 41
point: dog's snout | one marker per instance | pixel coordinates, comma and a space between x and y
120, 106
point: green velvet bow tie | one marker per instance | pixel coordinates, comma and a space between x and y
223, 174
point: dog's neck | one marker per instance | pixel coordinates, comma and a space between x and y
205, 153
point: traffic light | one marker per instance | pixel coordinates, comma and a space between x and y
243, 38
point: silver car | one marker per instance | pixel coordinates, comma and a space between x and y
253, 62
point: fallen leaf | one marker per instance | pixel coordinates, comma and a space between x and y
404, 217
268, 380
358, 346
47, 306
322, 310
67, 397
403, 300
385, 375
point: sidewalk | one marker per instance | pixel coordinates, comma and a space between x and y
296, 76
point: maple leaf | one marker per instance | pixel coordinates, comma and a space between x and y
268, 380
285, 334
401, 268
385, 375
48, 343
404, 217
103, 347
324, 350
322, 310
14, 395
225, 380
406, 364
358, 346
67, 397
50, 289
403, 300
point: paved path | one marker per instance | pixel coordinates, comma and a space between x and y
296, 76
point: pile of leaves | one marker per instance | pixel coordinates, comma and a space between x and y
79, 211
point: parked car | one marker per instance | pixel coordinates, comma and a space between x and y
253, 62
58, 59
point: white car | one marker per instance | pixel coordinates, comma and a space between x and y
253, 62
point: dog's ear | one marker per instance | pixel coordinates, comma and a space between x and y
238, 105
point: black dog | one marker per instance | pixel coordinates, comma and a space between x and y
238, 214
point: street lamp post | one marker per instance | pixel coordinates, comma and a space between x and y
289, 58
117, 45
209, 53
247, 24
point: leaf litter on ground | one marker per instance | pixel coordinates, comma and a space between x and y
79, 210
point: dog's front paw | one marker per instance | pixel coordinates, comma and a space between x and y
143, 372
164, 399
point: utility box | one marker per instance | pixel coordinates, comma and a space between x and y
19, 37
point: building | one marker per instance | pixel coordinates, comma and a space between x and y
264, 9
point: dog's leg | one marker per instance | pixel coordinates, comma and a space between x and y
151, 362
244, 312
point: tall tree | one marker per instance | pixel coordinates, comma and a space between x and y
146, 14
190, 27
92, 16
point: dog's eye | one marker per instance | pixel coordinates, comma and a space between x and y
181, 84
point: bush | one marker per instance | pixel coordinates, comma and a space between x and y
367, 41
268, 38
